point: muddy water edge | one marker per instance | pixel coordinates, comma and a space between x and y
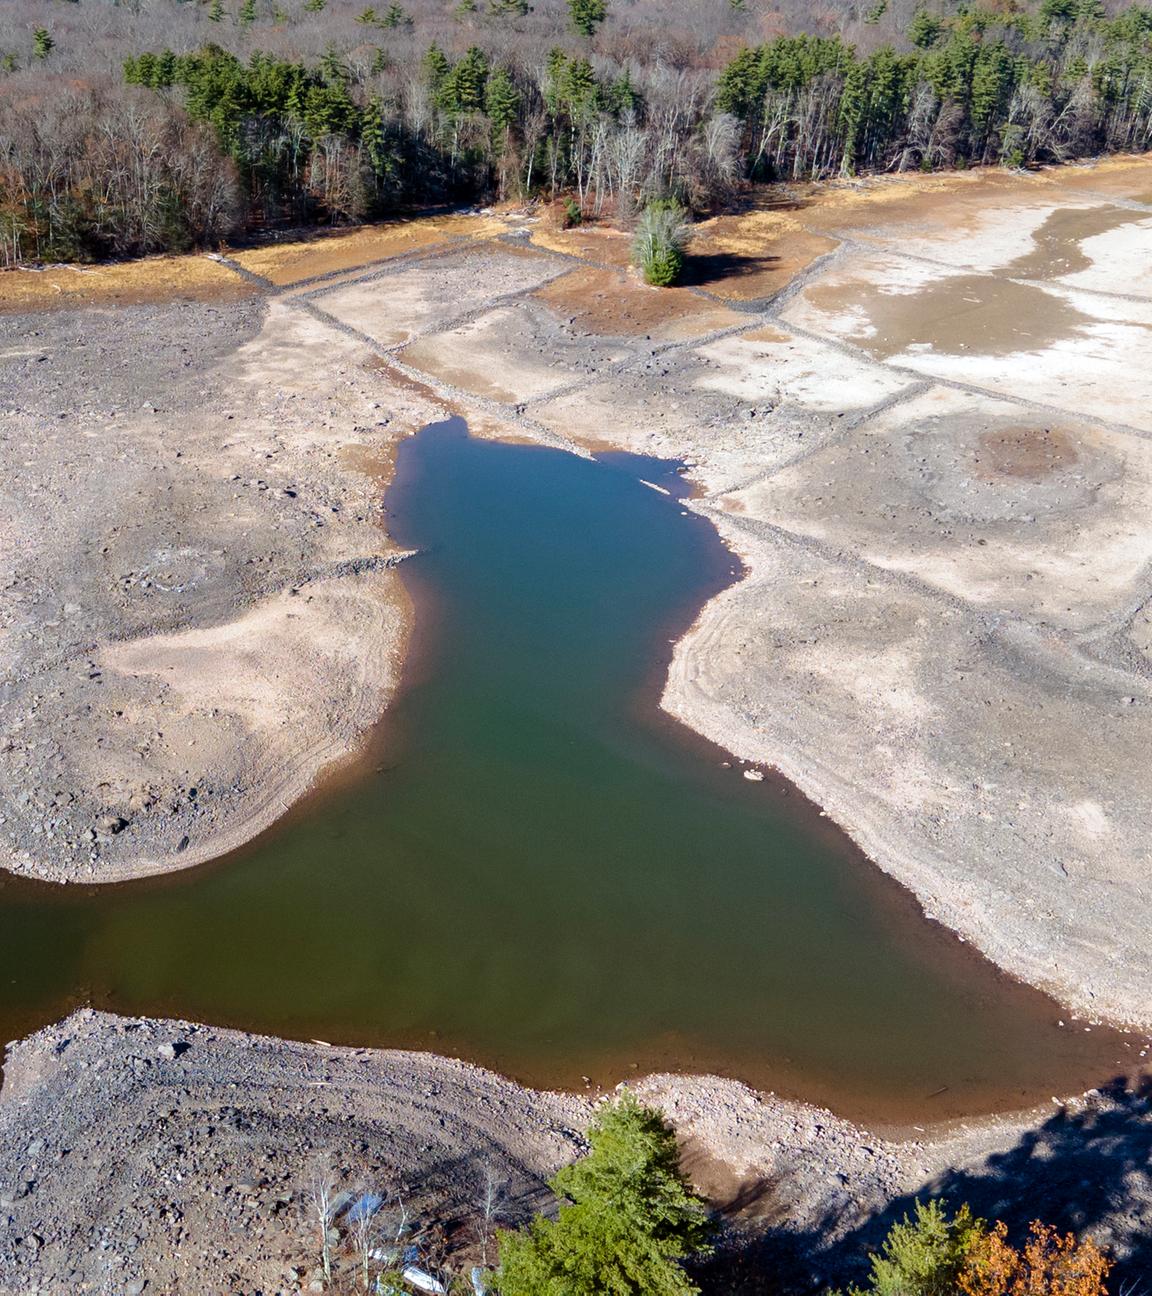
539, 871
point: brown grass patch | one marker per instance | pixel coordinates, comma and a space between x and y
752, 255
616, 303
595, 243
327, 252
129, 283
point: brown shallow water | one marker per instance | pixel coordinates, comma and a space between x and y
956, 314
536, 869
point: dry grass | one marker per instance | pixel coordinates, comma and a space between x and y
615, 302
283, 264
128, 283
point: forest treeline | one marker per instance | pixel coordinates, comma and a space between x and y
181, 148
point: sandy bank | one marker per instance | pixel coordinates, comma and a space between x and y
201, 610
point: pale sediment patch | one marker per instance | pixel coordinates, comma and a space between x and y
1039, 342
949, 750
414, 299
210, 619
251, 711
514, 353
1119, 261
734, 407
1049, 519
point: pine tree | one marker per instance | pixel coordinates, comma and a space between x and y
623, 97
627, 1219
332, 68
436, 68
658, 246
42, 43
247, 14
502, 101
463, 89
374, 140
216, 11
587, 15
925, 29
579, 89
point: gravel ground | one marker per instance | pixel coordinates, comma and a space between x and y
199, 613
160, 1156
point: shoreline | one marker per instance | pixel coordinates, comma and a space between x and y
684, 702
209, 1127
701, 716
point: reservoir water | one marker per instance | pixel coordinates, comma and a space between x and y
534, 869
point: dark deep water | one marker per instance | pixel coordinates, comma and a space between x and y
537, 871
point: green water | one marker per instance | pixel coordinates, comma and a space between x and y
539, 872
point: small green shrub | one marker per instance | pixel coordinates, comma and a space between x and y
925, 1254
573, 216
658, 247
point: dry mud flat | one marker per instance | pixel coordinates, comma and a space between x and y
199, 610
920, 410
160, 1156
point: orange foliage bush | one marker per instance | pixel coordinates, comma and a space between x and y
1050, 1264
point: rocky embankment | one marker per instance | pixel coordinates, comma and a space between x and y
157, 1156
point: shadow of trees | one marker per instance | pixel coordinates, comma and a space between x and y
1086, 1171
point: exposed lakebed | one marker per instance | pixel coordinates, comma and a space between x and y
536, 870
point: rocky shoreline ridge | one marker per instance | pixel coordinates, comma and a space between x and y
166, 1156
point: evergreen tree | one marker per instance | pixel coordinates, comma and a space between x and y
658, 246
216, 11
247, 14
925, 1254
462, 90
627, 1219
587, 15
42, 43
622, 96
925, 29
436, 68
502, 101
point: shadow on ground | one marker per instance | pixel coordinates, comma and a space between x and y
713, 267
1087, 1171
